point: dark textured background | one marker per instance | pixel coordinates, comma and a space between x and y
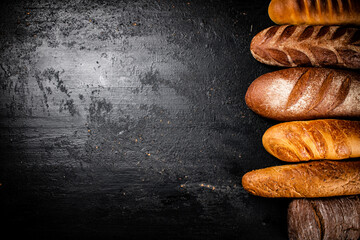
127, 119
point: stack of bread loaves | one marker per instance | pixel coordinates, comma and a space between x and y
315, 96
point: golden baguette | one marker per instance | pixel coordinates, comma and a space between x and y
313, 140
310, 180
315, 12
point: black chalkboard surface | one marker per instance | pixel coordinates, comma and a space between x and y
127, 120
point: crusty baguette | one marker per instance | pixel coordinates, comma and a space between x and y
305, 93
313, 140
319, 46
324, 219
315, 12
311, 180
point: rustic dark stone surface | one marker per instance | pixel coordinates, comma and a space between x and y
127, 119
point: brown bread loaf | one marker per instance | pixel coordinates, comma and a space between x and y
324, 219
319, 46
311, 180
313, 140
305, 93
315, 12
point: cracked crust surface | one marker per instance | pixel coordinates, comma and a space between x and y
310, 180
313, 140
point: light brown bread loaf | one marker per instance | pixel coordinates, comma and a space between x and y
313, 140
320, 46
324, 219
315, 12
311, 180
305, 93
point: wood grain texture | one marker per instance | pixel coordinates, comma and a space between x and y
305, 180
313, 140
324, 219
315, 12
305, 93
291, 46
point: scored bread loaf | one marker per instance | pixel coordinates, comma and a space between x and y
311, 180
315, 12
320, 46
324, 219
313, 140
305, 93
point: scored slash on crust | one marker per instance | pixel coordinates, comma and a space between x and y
291, 46
317, 103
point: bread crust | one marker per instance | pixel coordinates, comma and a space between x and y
305, 180
312, 12
319, 46
324, 219
313, 140
305, 93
